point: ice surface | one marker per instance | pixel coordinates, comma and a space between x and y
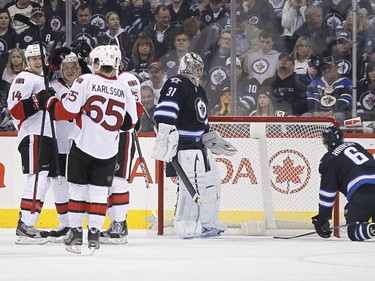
163, 258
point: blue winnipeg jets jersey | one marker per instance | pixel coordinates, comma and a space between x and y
345, 168
184, 105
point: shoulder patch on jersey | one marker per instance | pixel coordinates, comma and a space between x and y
20, 81
132, 83
79, 80
201, 110
175, 80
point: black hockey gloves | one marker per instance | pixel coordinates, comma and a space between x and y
321, 226
44, 97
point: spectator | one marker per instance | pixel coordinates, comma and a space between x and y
330, 95
147, 99
54, 11
289, 88
215, 63
261, 14
82, 29
224, 107
8, 37
246, 88
171, 61
22, 7
157, 79
363, 26
262, 63
136, 16
161, 32
319, 34
342, 52
198, 36
142, 56
100, 9
247, 37
211, 16
292, 18
180, 11
335, 12
16, 63
366, 94
116, 35
302, 52
30, 35
278, 6
264, 103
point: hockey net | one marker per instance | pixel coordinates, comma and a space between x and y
271, 186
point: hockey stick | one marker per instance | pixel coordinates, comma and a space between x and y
180, 172
312, 232
153, 218
24, 19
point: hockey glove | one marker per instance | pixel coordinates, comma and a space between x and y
57, 57
166, 142
213, 141
321, 226
44, 97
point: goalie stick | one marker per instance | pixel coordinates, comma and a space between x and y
153, 218
180, 172
313, 232
24, 19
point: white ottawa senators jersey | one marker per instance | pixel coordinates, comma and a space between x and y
132, 85
23, 86
100, 104
65, 130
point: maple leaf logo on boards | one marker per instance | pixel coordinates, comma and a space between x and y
291, 171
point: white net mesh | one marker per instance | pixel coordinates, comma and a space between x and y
273, 179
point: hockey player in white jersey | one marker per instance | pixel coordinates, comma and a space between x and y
118, 200
70, 70
183, 130
25, 106
101, 107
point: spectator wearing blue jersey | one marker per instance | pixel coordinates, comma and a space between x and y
330, 95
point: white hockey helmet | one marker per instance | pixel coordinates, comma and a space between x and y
191, 66
72, 57
32, 50
109, 55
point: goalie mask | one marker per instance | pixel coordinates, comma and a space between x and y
191, 66
332, 137
108, 55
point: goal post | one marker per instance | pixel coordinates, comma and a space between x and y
271, 186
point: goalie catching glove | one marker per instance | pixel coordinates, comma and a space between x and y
321, 226
166, 142
213, 141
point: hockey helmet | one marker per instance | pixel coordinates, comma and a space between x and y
332, 137
107, 55
32, 50
72, 57
191, 66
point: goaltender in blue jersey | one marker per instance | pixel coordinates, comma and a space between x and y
350, 169
183, 132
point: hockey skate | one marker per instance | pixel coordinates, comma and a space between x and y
213, 229
73, 241
115, 234
28, 235
57, 235
93, 239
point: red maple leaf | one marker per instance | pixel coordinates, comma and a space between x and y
288, 172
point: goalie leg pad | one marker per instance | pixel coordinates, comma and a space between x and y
200, 167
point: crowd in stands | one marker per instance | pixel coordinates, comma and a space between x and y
294, 57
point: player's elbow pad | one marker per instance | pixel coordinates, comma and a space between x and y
128, 123
28, 108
